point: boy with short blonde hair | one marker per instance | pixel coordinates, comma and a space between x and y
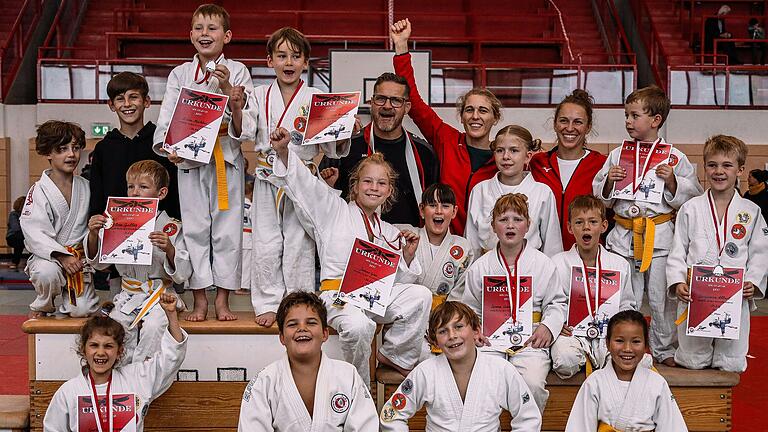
719, 228
211, 195
633, 237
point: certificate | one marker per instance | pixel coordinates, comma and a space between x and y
331, 117
369, 277
715, 307
588, 313
125, 237
640, 160
123, 413
502, 327
195, 123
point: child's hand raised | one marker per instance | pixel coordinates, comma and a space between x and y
411, 244
96, 222
168, 302
221, 73
330, 175
399, 32
237, 99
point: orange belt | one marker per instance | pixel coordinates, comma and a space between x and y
330, 285
221, 169
643, 232
605, 427
75, 282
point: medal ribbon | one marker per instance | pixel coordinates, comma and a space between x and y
720, 244
103, 424
207, 74
285, 110
513, 305
397, 245
635, 183
598, 268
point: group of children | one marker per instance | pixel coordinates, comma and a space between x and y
513, 232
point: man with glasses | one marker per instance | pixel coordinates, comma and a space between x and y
412, 157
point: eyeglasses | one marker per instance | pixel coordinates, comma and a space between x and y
395, 101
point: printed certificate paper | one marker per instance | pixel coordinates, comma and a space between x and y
502, 329
125, 238
609, 300
370, 275
195, 124
716, 296
640, 160
331, 117
123, 411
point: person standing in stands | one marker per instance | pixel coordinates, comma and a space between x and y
570, 158
412, 157
465, 157
757, 192
714, 28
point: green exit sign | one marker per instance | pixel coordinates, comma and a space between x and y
98, 130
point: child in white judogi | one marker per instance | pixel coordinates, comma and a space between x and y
54, 221
283, 256
514, 256
211, 195
587, 222
512, 150
140, 284
464, 389
646, 110
245, 282
306, 390
131, 387
626, 394
719, 228
336, 224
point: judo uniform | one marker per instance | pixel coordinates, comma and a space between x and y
283, 255
336, 224
663, 337
246, 279
144, 381
137, 285
51, 225
544, 231
643, 404
570, 353
696, 244
271, 401
495, 385
213, 235
548, 300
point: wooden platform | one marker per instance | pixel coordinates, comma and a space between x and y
704, 398
14, 413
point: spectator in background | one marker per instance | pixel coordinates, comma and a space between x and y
756, 31
714, 28
14, 237
85, 172
757, 192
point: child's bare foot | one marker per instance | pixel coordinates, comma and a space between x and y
223, 313
200, 311
380, 357
669, 361
36, 314
266, 319
243, 291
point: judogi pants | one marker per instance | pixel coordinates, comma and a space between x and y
663, 335
140, 343
534, 365
49, 281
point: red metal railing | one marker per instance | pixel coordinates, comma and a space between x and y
12, 51
615, 39
657, 56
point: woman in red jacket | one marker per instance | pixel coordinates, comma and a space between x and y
568, 169
465, 157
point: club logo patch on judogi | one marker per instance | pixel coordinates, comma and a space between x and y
387, 414
449, 269
407, 386
339, 403
673, 160
743, 217
399, 401
526, 397
456, 252
738, 231
171, 229
731, 249
300, 123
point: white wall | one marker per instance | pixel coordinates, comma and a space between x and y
683, 126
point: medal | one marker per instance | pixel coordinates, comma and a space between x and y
592, 329
210, 66
515, 338
720, 243
108, 223
634, 211
395, 244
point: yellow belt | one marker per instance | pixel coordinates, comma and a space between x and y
135, 286
684, 315
75, 282
221, 169
330, 285
643, 232
605, 427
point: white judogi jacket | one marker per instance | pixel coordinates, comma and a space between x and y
695, 242
184, 76
548, 294
619, 238
271, 401
444, 270
145, 381
544, 231
644, 404
334, 222
48, 222
495, 385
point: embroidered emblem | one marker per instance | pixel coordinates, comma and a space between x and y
547, 169
526, 397
765, 232
738, 231
399, 401
339, 403
457, 252
443, 288
144, 410
407, 386
743, 217
300, 123
248, 388
673, 160
171, 229
296, 137
449, 269
387, 414
731, 249
271, 159
29, 195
